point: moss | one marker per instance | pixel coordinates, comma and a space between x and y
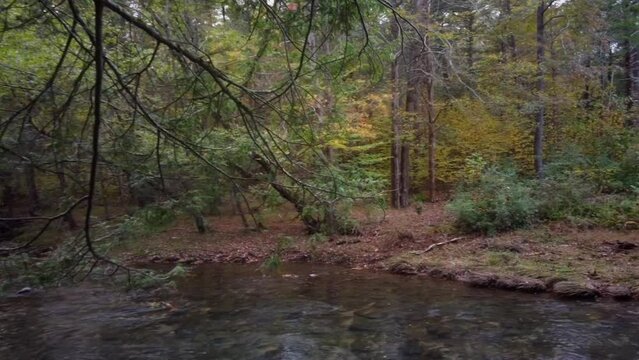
501, 258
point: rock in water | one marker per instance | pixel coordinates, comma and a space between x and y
478, 279
520, 284
618, 292
402, 268
573, 290
25, 291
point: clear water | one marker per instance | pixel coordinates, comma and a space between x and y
235, 312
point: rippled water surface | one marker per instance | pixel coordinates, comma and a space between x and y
314, 312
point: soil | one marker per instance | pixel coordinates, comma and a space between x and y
559, 258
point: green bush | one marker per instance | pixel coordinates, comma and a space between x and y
606, 171
561, 198
615, 211
499, 200
566, 188
148, 220
593, 191
155, 217
628, 172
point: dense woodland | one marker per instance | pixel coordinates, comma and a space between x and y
117, 116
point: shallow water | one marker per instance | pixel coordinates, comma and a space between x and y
314, 312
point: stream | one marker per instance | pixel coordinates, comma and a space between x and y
306, 311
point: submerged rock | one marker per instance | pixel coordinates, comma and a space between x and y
478, 279
25, 291
520, 284
442, 273
573, 290
618, 292
403, 268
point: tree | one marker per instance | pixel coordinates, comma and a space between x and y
177, 105
542, 8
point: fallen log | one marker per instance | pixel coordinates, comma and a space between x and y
432, 246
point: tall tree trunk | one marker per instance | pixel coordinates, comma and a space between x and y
105, 197
396, 149
541, 87
509, 45
429, 102
631, 65
605, 76
470, 41
634, 87
400, 167
238, 206
8, 201
325, 102
32, 189
68, 217
405, 179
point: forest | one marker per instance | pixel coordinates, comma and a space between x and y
306, 179
305, 129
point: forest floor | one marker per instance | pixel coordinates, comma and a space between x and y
559, 258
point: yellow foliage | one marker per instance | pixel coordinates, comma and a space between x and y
468, 129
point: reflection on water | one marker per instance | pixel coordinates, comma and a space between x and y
314, 312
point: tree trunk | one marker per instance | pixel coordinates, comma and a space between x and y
32, 189
470, 40
105, 198
509, 45
8, 200
68, 217
541, 87
634, 86
312, 225
325, 102
631, 65
200, 224
238, 207
405, 178
606, 54
432, 160
396, 149
399, 159
429, 88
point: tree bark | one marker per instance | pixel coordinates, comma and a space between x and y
400, 169
541, 87
429, 104
509, 45
68, 217
470, 41
238, 207
405, 178
32, 189
312, 225
325, 102
396, 149
200, 223
631, 65
8, 200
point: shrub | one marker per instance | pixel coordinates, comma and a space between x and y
566, 188
561, 198
628, 174
579, 189
613, 211
148, 220
499, 200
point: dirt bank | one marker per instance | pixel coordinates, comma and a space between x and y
567, 261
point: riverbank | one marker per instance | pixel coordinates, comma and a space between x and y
566, 260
